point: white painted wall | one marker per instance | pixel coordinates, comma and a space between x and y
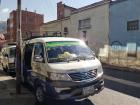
97, 35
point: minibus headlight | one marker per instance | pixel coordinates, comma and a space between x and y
100, 70
59, 76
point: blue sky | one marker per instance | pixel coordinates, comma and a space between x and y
46, 7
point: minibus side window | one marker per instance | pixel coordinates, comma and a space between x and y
39, 53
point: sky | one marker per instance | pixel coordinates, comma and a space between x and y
45, 7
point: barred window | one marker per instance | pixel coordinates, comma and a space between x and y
133, 25
85, 23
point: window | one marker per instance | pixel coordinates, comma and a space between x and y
66, 31
39, 51
133, 25
84, 23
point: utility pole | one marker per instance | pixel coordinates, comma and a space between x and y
61, 25
18, 48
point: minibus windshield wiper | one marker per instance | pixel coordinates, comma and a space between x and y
72, 59
77, 58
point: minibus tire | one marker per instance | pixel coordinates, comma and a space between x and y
3, 68
39, 93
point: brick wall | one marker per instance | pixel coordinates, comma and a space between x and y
31, 23
60, 10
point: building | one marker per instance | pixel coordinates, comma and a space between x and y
125, 22
31, 22
63, 11
63, 22
124, 34
3, 26
90, 23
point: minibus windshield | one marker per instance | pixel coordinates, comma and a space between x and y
65, 51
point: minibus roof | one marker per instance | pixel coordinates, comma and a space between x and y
50, 39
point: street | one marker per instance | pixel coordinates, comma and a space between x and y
54, 46
120, 89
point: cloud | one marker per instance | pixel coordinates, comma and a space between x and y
5, 10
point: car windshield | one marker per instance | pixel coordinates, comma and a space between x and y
65, 51
12, 52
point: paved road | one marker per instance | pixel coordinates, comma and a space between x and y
121, 88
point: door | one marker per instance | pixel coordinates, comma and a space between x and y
39, 60
27, 68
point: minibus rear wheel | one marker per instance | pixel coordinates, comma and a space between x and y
4, 69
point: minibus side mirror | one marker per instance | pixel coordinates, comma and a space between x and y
39, 59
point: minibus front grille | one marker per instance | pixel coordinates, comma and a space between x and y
80, 76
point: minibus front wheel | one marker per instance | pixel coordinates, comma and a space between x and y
40, 94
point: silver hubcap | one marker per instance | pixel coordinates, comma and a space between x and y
39, 94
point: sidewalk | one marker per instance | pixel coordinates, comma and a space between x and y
8, 94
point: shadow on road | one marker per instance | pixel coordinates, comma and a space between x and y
120, 87
123, 74
69, 102
126, 89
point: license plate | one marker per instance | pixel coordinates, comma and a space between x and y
88, 90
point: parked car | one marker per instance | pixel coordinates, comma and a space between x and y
8, 58
61, 68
